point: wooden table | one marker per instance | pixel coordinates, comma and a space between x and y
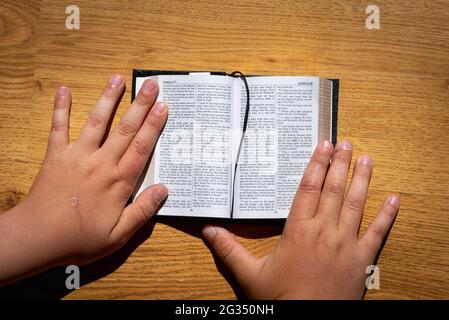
393, 106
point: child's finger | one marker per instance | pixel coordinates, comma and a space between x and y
135, 158
308, 194
354, 203
242, 264
378, 229
120, 138
335, 184
59, 133
140, 211
95, 128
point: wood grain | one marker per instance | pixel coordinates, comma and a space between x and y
393, 105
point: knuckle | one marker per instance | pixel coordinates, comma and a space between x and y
141, 148
310, 185
363, 171
354, 204
110, 92
119, 241
125, 128
95, 121
145, 210
342, 155
154, 122
295, 232
225, 250
390, 212
122, 184
320, 162
334, 188
377, 233
91, 171
59, 103
144, 97
57, 125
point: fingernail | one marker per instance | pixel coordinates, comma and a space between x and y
116, 80
327, 145
345, 145
61, 92
161, 193
365, 160
160, 107
394, 200
209, 232
149, 85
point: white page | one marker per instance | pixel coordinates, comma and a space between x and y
281, 135
193, 156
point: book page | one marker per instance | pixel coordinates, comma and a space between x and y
281, 135
192, 156
325, 110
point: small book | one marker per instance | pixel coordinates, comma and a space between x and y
222, 155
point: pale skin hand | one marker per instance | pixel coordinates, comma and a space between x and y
320, 254
75, 212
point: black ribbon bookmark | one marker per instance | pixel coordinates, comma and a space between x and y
238, 74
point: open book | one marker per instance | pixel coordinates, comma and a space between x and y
196, 154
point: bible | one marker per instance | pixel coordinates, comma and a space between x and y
236, 146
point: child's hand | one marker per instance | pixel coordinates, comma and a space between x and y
75, 211
320, 253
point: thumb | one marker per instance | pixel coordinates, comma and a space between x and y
140, 211
242, 264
